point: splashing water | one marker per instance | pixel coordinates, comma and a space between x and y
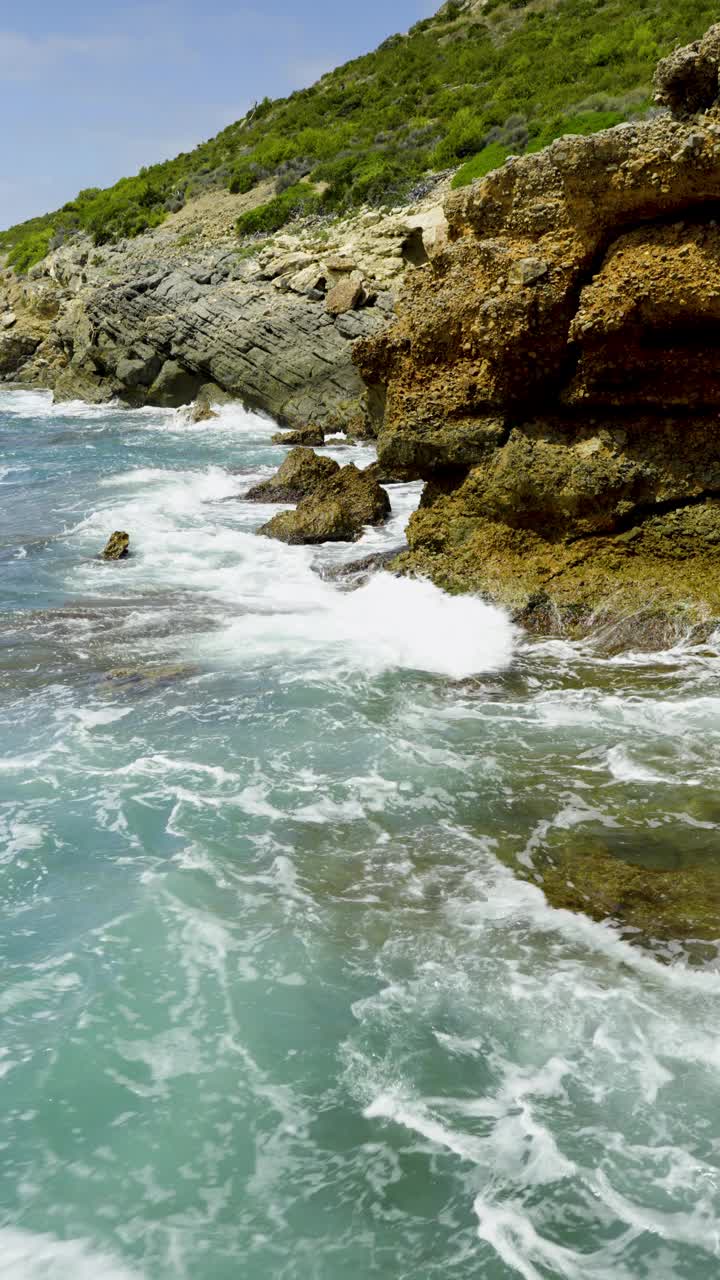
276, 1003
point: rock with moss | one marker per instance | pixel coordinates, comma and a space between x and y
337, 512
301, 474
117, 546
648, 904
311, 437
174, 386
552, 373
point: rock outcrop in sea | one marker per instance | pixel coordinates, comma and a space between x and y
335, 503
553, 372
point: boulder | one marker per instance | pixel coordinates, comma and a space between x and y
117, 546
687, 80
302, 472
209, 397
174, 386
338, 512
202, 412
313, 437
340, 265
346, 295
133, 371
8, 320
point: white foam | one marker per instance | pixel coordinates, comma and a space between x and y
389, 623
510, 1232
624, 769
26, 1255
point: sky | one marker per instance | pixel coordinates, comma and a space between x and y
90, 92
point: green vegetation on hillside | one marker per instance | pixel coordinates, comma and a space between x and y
466, 88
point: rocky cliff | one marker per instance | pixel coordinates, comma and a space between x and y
554, 372
271, 322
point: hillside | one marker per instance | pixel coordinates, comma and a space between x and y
480, 80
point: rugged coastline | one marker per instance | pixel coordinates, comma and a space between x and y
552, 374
271, 322
537, 347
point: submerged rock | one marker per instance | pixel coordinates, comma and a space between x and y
337, 512
147, 679
553, 376
302, 472
357, 572
649, 904
117, 546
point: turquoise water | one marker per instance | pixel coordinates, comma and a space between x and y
273, 1005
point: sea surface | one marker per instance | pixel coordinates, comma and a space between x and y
274, 1003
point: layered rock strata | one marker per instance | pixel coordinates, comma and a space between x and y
554, 373
272, 323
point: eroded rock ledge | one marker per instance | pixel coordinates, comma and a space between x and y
554, 373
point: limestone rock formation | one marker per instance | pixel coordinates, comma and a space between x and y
554, 373
152, 320
336, 512
687, 80
301, 474
346, 295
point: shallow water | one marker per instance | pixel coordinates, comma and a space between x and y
274, 1002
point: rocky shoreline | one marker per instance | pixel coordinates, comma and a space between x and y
552, 375
541, 352
270, 322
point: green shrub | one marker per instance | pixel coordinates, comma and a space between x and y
465, 136
298, 201
491, 158
243, 178
450, 92
585, 123
33, 248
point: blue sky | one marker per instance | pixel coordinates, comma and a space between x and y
89, 92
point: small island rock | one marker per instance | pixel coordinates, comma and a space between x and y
302, 472
117, 546
336, 513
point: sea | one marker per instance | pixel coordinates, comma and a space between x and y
280, 999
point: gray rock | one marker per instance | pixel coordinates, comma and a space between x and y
15, 349
174, 386
8, 320
134, 373
687, 80
210, 395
